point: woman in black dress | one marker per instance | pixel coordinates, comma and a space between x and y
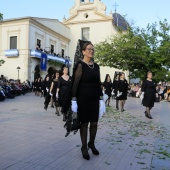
38, 86
35, 87
115, 89
64, 89
41, 86
86, 96
149, 93
108, 88
123, 89
46, 89
54, 91
46, 85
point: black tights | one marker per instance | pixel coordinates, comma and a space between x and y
148, 110
122, 103
84, 133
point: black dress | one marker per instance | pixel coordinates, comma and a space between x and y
115, 86
47, 84
38, 86
64, 94
123, 87
87, 89
108, 88
54, 90
149, 89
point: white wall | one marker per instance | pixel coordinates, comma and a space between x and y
9, 68
46, 40
55, 25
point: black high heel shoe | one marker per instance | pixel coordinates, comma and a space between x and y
64, 117
149, 116
45, 107
93, 149
85, 153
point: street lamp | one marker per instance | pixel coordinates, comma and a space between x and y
18, 68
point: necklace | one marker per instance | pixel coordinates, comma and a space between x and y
91, 67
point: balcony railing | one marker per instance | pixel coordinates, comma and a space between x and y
37, 54
12, 53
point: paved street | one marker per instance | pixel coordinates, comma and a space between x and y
33, 139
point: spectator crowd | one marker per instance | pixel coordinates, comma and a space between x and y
162, 88
11, 88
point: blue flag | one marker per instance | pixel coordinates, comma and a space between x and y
67, 63
43, 61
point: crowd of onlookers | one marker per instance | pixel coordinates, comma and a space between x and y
12, 88
51, 51
162, 88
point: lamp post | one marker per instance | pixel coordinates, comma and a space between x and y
18, 68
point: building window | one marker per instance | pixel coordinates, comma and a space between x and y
52, 49
62, 53
85, 34
81, 1
86, 15
38, 43
13, 42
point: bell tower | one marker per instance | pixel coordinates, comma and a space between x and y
97, 5
78, 2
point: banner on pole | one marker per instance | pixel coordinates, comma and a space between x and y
43, 61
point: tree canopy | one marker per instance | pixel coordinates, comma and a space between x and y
2, 62
1, 17
138, 50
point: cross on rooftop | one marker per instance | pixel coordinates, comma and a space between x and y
115, 5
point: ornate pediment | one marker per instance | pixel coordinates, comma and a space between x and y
86, 4
87, 11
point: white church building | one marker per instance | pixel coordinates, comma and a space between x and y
22, 40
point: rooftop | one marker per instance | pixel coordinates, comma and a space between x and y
120, 21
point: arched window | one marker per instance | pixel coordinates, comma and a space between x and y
81, 1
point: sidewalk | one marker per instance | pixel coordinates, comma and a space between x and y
33, 139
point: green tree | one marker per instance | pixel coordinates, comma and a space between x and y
1, 17
2, 62
138, 50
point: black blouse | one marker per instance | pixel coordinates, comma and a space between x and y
78, 76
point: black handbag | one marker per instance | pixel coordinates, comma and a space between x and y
72, 123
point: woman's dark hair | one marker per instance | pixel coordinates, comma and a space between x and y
115, 77
56, 71
85, 45
46, 77
120, 74
107, 75
63, 70
148, 73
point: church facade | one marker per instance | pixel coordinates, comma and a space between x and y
20, 37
